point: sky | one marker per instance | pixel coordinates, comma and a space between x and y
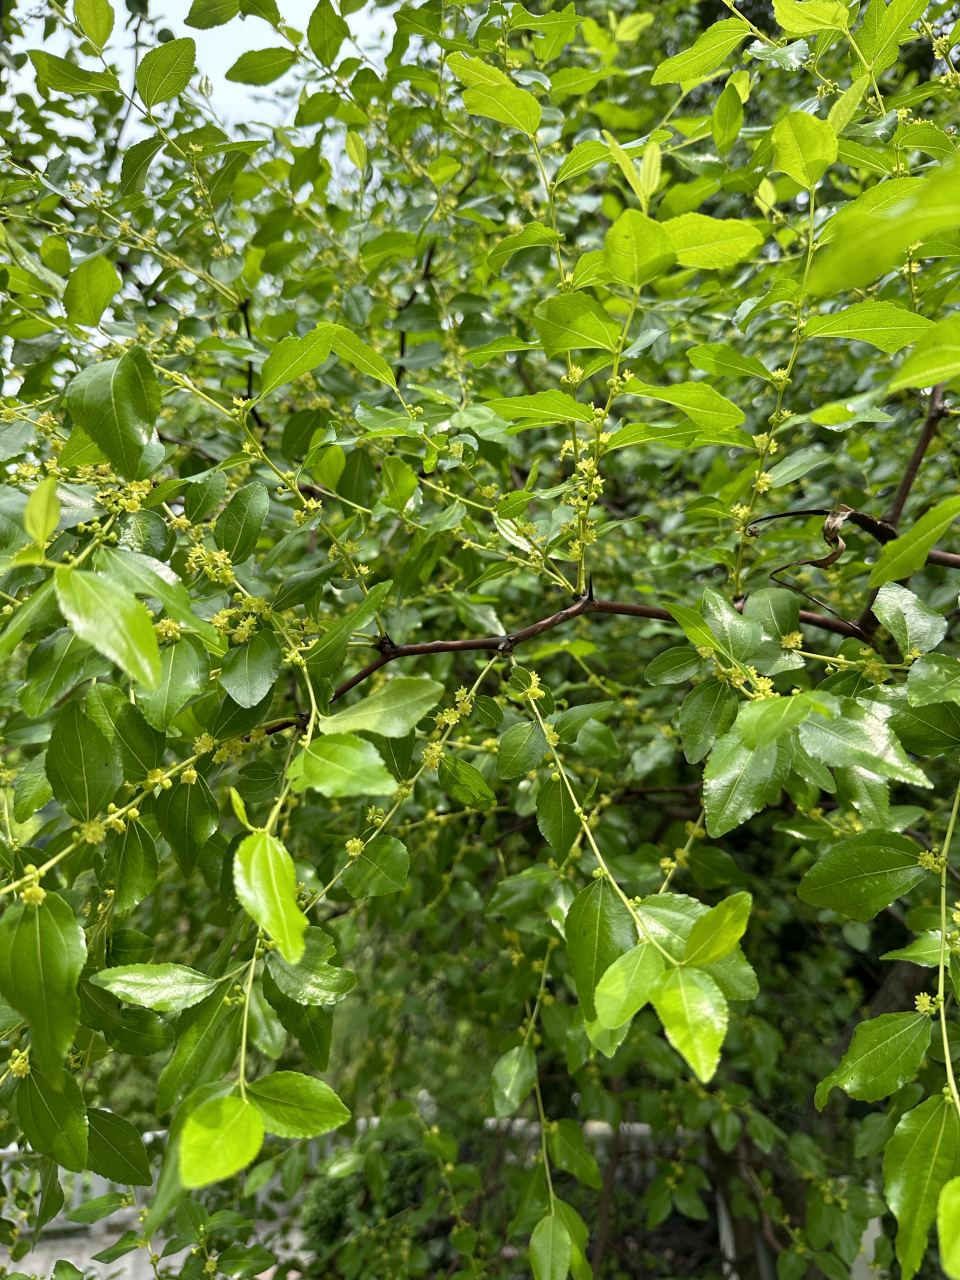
219, 47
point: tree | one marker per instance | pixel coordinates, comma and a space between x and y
407, 514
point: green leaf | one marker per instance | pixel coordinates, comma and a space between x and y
909, 621
710, 50
920, 1158
520, 749
863, 874
53, 1117
58, 664
96, 20
575, 321
90, 290
599, 928
694, 1015
715, 934
116, 1150
711, 243
706, 713
804, 147
187, 816
168, 988
220, 1138
141, 747
301, 587
32, 790
399, 482
392, 711
905, 554
208, 1038
738, 637
166, 71
550, 1249
116, 403
326, 655
83, 770
636, 249
25, 617
533, 235
948, 1228
381, 868
136, 164
265, 882
341, 765
673, 666
934, 678
719, 359
205, 14
462, 781
716, 416
294, 356
66, 77
111, 621
727, 119
326, 32
491, 94
735, 782
568, 1151
557, 817
353, 349
513, 1078
628, 984
313, 980
856, 737
884, 324
145, 576
249, 671
540, 410
936, 358
184, 673
43, 511
93, 1210
238, 525
807, 17
886, 1053
42, 952
297, 1106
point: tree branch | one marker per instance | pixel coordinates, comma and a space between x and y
935, 412
389, 651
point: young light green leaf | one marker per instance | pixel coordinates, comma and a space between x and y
392, 711
804, 147
709, 51
628, 984
948, 1228
599, 928
715, 935
90, 290
265, 882
220, 1138
694, 1015
43, 511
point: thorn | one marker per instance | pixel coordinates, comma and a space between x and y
590, 588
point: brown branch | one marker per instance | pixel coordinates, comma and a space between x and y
935, 412
505, 644
603, 1220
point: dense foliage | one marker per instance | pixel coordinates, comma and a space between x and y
478, 625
